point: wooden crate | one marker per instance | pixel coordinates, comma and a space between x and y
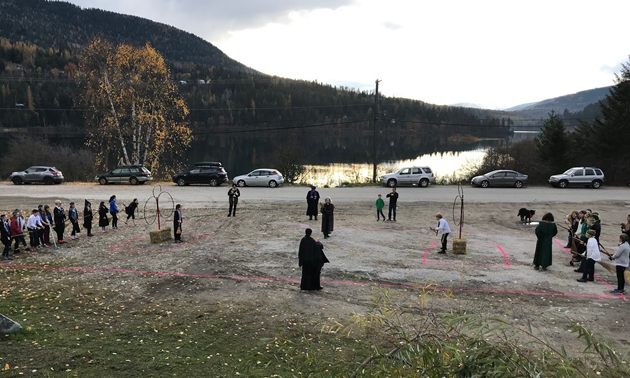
459, 246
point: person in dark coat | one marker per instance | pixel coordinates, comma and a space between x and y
393, 201
73, 214
59, 217
103, 222
233, 195
311, 259
328, 217
177, 224
130, 210
545, 231
5, 235
87, 217
312, 200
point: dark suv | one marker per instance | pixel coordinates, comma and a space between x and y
211, 173
132, 174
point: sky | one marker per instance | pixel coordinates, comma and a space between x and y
495, 54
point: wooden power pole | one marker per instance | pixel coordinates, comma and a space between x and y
376, 113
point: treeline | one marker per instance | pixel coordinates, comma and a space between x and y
603, 142
38, 88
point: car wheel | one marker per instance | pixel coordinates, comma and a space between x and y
563, 184
423, 183
181, 182
18, 181
133, 181
518, 184
485, 184
48, 181
272, 184
102, 181
240, 183
597, 184
214, 182
391, 183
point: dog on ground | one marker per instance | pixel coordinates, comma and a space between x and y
526, 215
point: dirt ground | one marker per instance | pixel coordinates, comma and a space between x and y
251, 261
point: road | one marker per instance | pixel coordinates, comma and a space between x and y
204, 196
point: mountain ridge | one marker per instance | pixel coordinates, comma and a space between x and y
84, 23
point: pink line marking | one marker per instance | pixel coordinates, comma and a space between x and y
117, 248
596, 276
293, 280
507, 263
424, 256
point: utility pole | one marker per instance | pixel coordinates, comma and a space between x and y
376, 113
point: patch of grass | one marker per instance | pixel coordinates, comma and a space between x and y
85, 332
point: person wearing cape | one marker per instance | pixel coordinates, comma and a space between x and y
311, 259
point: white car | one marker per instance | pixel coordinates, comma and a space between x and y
260, 177
421, 176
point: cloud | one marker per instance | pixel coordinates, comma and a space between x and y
211, 19
392, 25
612, 69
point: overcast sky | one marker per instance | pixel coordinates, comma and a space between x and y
492, 53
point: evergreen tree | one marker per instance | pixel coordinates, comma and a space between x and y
553, 144
609, 136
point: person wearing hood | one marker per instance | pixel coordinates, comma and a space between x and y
545, 231
88, 217
312, 200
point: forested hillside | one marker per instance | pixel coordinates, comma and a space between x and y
63, 25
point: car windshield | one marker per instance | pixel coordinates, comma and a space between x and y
491, 173
568, 171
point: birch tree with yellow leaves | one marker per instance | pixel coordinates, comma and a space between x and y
135, 111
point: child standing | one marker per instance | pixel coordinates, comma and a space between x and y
87, 217
17, 230
102, 216
74, 219
445, 228
592, 255
113, 210
6, 237
622, 260
379, 208
177, 224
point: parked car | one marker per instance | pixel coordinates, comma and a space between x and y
260, 177
500, 178
46, 175
579, 176
421, 176
133, 174
211, 173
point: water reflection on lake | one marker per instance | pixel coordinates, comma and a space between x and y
445, 165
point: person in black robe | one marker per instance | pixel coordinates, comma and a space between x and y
328, 217
87, 217
131, 210
312, 200
311, 260
103, 221
177, 224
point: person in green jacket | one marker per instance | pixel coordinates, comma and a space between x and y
545, 231
379, 208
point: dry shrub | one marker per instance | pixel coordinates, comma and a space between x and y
77, 164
